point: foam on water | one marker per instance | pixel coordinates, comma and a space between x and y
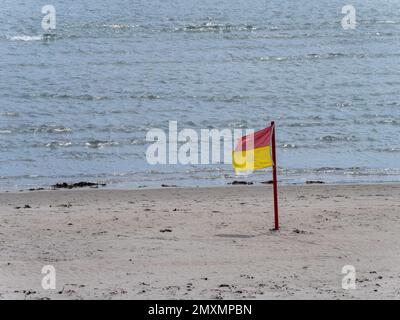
24, 38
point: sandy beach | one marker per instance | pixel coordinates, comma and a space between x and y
201, 243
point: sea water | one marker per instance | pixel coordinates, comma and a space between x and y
77, 105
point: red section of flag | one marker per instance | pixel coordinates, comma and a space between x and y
261, 138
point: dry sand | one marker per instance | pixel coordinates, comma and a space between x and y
207, 243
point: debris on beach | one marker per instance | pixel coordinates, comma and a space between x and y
301, 231
165, 230
28, 292
81, 184
65, 205
168, 186
267, 182
237, 182
27, 206
36, 189
314, 182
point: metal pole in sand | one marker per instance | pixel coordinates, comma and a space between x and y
274, 178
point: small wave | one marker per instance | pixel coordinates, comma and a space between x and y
44, 129
99, 144
29, 129
59, 130
55, 144
274, 58
329, 169
310, 124
118, 26
392, 122
389, 121
112, 63
344, 104
150, 96
389, 150
214, 27
289, 146
373, 172
86, 97
24, 38
9, 114
387, 22
350, 171
217, 98
330, 138
312, 56
138, 142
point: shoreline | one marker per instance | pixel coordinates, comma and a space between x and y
184, 187
201, 243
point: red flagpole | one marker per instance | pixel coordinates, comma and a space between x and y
275, 180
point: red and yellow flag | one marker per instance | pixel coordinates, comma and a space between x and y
253, 151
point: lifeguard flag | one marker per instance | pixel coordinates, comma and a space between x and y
253, 151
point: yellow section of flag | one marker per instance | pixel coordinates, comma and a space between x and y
252, 159
253, 151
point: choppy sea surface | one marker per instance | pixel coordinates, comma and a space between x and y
76, 105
